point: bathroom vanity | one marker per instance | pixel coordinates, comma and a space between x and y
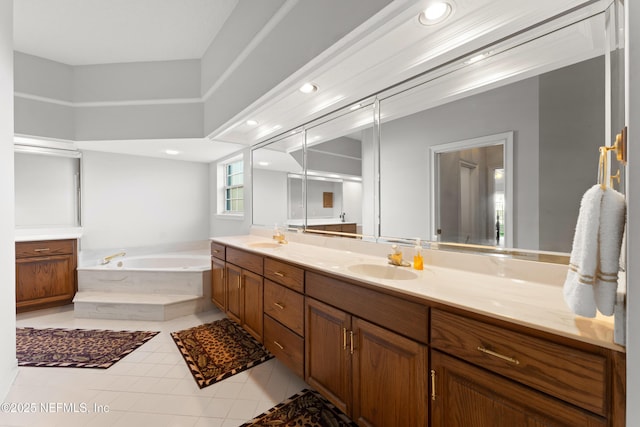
441, 347
45, 273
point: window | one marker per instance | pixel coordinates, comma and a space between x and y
234, 187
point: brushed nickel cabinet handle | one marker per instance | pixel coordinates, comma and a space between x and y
278, 273
279, 345
498, 355
42, 250
280, 306
433, 384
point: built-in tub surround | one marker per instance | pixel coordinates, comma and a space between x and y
145, 287
521, 292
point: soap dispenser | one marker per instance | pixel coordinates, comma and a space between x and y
418, 261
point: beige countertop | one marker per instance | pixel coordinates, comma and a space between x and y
31, 234
532, 304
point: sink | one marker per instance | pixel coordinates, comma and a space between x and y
383, 271
264, 245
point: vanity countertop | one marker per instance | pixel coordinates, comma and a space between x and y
24, 234
537, 305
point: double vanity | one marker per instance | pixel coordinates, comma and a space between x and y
488, 343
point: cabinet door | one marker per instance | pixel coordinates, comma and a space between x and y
44, 280
327, 356
464, 395
390, 378
252, 307
218, 284
234, 293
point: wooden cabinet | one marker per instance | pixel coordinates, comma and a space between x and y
284, 313
343, 227
244, 299
218, 284
373, 374
464, 395
234, 292
45, 274
507, 378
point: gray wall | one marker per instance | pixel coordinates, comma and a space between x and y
131, 201
572, 127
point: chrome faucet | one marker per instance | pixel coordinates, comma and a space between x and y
107, 259
342, 215
395, 258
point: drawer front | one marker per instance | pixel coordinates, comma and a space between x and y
572, 375
44, 248
285, 274
218, 250
246, 260
399, 315
285, 345
284, 305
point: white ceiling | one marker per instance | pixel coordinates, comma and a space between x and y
82, 32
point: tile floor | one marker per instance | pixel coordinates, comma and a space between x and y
151, 386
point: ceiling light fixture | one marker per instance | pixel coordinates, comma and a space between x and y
477, 58
172, 152
252, 122
263, 163
355, 107
435, 13
308, 88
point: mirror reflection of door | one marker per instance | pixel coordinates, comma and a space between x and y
470, 187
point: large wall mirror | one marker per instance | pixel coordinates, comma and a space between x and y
277, 182
495, 149
550, 96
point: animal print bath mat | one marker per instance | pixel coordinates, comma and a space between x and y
76, 348
306, 408
218, 350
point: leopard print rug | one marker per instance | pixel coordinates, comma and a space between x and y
218, 350
76, 348
307, 409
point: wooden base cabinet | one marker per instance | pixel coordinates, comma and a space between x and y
244, 299
218, 284
376, 376
45, 274
463, 395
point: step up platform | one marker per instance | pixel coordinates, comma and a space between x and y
136, 306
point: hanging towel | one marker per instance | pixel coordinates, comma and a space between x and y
583, 263
612, 222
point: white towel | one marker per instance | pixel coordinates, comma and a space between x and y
583, 263
612, 222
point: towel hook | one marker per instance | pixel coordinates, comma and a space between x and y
620, 146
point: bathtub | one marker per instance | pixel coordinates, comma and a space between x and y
159, 263
168, 280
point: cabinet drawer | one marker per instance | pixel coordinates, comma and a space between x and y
285, 274
285, 345
44, 248
218, 250
246, 260
399, 315
572, 375
284, 305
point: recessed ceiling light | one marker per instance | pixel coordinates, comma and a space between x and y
252, 122
477, 58
435, 13
355, 107
308, 88
172, 152
263, 163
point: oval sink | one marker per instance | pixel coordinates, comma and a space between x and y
383, 271
263, 245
